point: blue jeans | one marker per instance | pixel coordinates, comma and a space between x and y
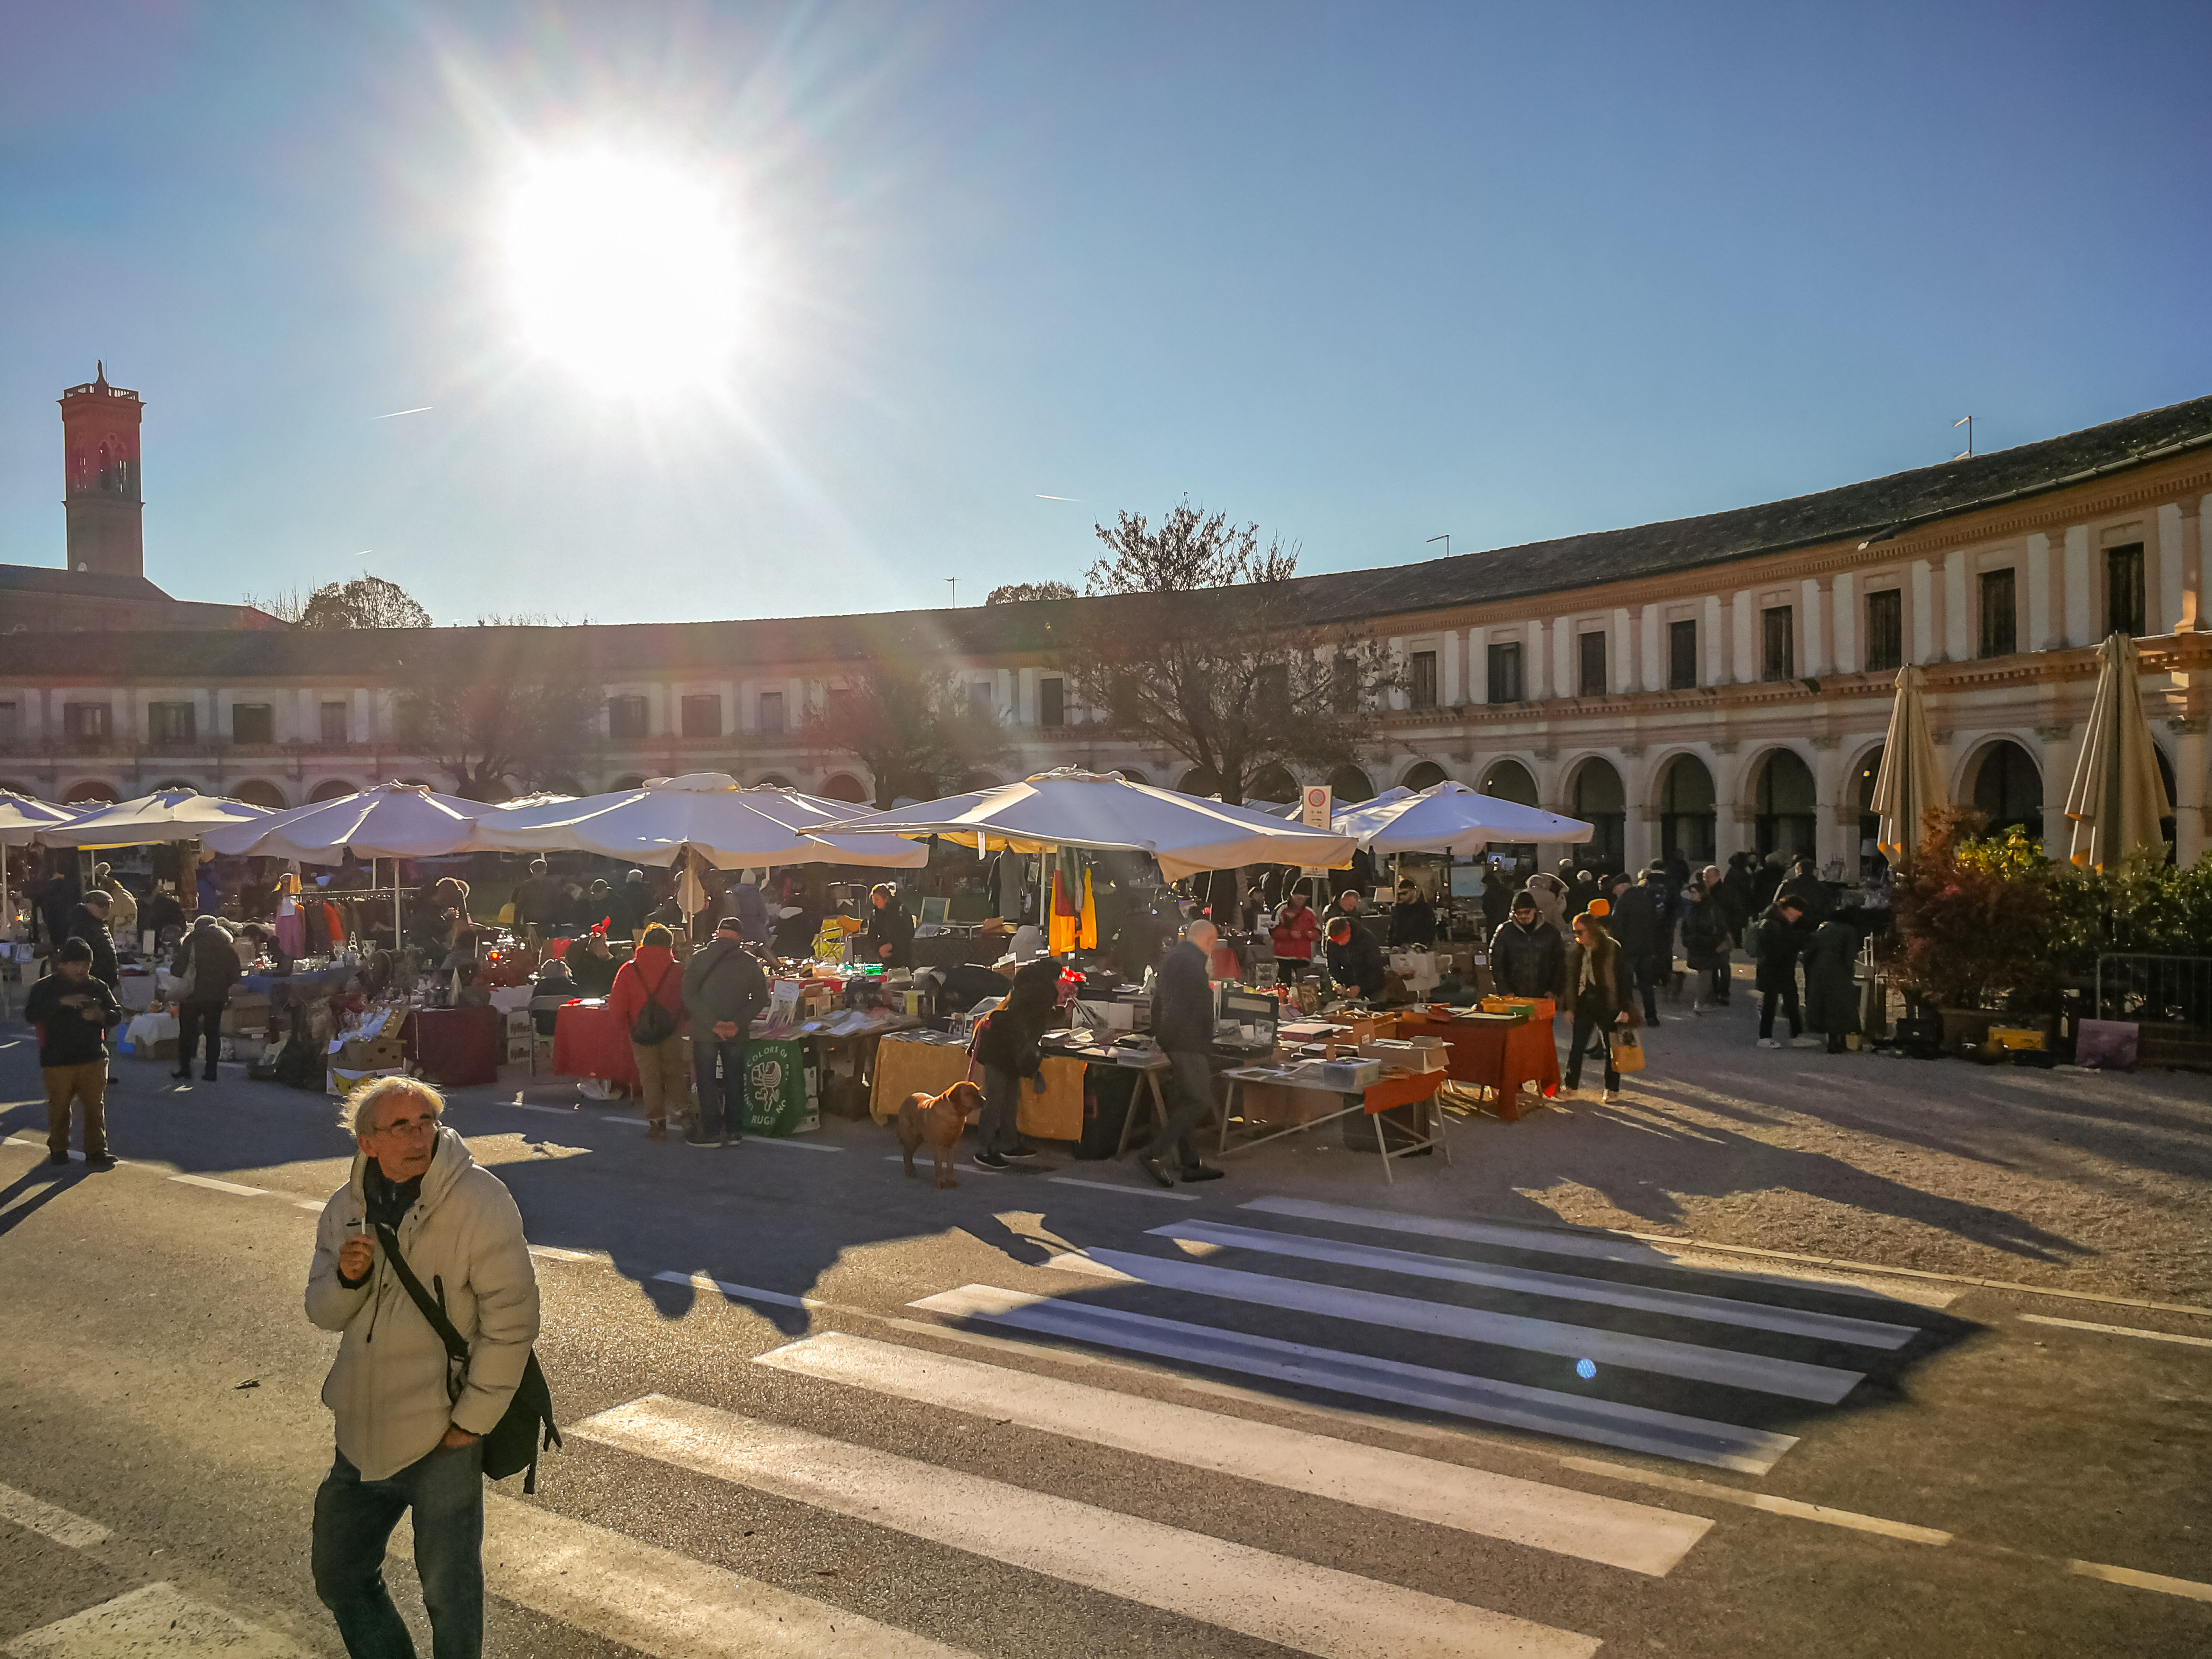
354, 1519
721, 1101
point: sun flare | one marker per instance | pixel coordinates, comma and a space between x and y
624, 271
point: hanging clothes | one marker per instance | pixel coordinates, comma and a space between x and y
1087, 931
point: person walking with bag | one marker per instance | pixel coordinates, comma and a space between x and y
207, 965
1592, 962
418, 1223
648, 997
724, 989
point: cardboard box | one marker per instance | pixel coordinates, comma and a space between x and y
380, 1054
1276, 1106
2014, 1036
343, 1079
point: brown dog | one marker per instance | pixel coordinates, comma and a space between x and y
937, 1121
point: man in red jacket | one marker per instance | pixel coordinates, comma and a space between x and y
648, 997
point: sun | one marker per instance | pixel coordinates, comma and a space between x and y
625, 271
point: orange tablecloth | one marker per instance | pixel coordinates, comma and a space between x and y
592, 1043
907, 1067
1494, 1054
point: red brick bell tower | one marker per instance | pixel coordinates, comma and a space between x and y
99, 441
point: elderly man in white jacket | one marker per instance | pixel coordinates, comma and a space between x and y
409, 1430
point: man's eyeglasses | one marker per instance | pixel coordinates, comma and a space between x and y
427, 1124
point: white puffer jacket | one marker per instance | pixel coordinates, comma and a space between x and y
462, 1238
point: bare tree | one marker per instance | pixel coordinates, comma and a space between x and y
1013, 591
915, 730
492, 716
1196, 642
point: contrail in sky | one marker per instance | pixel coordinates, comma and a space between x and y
397, 413
1078, 499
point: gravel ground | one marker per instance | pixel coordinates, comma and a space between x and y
2087, 1181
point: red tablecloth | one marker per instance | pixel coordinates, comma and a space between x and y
592, 1043
456, 1048
1493, 1054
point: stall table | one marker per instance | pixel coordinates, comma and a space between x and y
1393, 1089
1497, 1054
455, 1047
905, 1065
590, 1040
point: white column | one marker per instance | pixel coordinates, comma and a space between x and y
1617, 667
1478, 665
1710, 628
1026, 688
2080, 616
2189, 796
1844, 602
1815, 661
1562, 657
362, 727
1448, 652
1004, 696
2170, 568
1747, 662
795, 704
1958, 642
1397, 697
2038, 593
1654, 651
1923, 612
1532, 667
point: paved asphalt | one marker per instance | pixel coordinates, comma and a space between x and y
1288, 1424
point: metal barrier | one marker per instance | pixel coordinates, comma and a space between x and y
2155, 990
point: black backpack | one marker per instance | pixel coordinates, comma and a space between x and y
512, 1445
654, 1024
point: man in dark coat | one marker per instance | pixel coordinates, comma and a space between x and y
1779, 943
889, 936
1527, 956
1182, 1025
1832, 991
1736, 889
1412, 920
209, 957
724, 991
1635, 930
1354, 958
88, 922
537, 900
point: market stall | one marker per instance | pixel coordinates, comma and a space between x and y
1495, 1052
912, 1063
591, 1041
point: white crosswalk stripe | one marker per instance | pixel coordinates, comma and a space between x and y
1301, 1605
1371, 1377
1567, 1523
152, 1620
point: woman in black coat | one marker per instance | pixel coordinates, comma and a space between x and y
1590, 987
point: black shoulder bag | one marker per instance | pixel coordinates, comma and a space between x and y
512, 1445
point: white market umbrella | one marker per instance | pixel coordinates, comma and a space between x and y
730, 827
2117, 797
1910, 785
22, 821
1450, 817
166, 815
1105, 813
390, 821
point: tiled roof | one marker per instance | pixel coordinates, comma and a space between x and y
726, 649
76, 584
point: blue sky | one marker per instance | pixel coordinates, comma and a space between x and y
1365, 275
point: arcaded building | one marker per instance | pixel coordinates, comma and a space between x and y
1696, 686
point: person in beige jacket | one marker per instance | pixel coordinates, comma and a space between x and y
408, 1428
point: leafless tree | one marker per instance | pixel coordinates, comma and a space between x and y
492, 712
915, 730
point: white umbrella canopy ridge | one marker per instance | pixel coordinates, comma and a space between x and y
728, 825
25, 818
1103, 812
1450, 817
1909, 785
2117, 797
390, 821
164, 816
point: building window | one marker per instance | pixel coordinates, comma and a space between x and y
771, 713
1423, 681
1052, 702
173, 722
2123, 591
252, 722
979, 698
703, 716
1593, 666
1682, 655
335, 722
1344, 690
1999, 617
7, 722
628, 717
1504, 670
1780, 660
1885, 629
85, 722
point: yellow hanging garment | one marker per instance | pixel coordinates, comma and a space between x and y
1088, 937
1062, 923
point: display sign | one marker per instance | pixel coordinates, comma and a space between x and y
1315, 810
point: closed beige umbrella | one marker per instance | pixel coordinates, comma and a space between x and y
1908, 788
2117, 797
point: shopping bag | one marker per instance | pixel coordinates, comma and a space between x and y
1627, 1052
778, 1100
